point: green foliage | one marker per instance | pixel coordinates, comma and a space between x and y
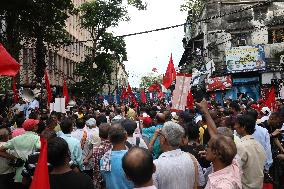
147, 81
5, 84
92, 79
36, 23
97, 17
194, 9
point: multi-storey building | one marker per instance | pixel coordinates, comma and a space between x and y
61, 62
241, 39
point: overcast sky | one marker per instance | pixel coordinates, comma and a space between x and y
151, 50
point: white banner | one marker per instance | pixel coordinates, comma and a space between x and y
182, 87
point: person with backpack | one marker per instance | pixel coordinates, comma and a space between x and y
130, 127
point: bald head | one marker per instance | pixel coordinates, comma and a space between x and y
161, 118
138, 166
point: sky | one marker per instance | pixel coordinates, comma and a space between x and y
152, 50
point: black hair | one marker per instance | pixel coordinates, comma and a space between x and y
66, 126
117, 111
247, 122
48, 134
129, 126
101, 119
80, 123
142, 169
57, 151
185, 116
103, 130
235, 106
191, 131
253, 113
116, 134
20, 121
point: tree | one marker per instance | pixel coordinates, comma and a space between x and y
147, 81
194, 9
97, 17
35, 22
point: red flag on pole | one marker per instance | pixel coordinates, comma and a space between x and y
41, 177
270, 101
190, 101
123, 94
170, 74
143, 96
8, 65
16, 96
155, 87
48, 89
65, 93
129, 90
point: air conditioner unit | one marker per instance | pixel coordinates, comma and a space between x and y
242, 42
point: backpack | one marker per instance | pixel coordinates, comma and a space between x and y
130, 145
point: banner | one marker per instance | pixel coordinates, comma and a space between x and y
218, 83
182, 87
245, 59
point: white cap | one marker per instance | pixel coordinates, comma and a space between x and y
91, 122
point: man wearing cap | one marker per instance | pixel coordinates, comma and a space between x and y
265, 112
23, 145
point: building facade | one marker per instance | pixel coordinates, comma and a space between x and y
61, 62
239, 43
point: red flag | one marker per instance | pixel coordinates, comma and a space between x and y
190, 101
41, 177
143, 96
270, 101
16, 96
8, 65
129, 90
123, 94
48, 89
155, 87
170, 74
160, 94
65, 93
155, 70
131, 95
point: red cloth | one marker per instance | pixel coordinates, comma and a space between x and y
270, 101
170, 74
65, 93
155, 87
267, 186
131, 95
160, 94
48, 89
8, 65
41, 177
16, 96
190, 101
123, 94
143, 96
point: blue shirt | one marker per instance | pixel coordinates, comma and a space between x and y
262, 136
116, 179
149, 132
75, 149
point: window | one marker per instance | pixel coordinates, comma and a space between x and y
240, 39
276, 35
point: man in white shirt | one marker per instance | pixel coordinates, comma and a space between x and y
130, 127
138, 166
175, 169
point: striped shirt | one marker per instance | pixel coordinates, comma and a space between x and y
175, 170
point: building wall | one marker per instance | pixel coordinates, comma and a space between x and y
61, 62
237, 29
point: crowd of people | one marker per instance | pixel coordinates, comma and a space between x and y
232, 146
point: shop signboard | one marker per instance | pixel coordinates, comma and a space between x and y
245, 59
218, 83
